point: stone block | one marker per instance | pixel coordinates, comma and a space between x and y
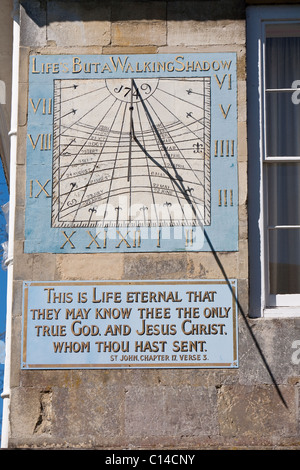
145, 10
155, 266
257, 412
119, 50
33, 24
242, 141
140, 33
23, 101
20, 187
212, 266
261, 343
19, 223
21, 144
22, 263
243, 260
204, 10
43, 267
241, 63
243, 182
90, 266
170, 411
206, 33
242, 101
243, 222
24, 411
92, 412
78, 23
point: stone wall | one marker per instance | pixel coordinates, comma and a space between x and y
255, 405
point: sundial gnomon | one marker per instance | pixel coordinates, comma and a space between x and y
131, 152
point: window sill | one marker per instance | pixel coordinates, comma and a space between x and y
281, 312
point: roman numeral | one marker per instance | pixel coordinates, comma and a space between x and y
225, 197
224, 148
44, 139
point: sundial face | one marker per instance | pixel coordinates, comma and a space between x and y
137, 153
136, 161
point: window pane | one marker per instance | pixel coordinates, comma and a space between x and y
283, 193
282, 125
284, 261
282, 61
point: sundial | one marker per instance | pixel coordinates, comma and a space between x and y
137, 153
132, 153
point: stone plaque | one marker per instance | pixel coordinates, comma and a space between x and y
121, 324
132, 153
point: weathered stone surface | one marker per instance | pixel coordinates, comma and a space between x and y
242, 141
98, 416
23, 268
257, 411
90, 267
155, 266
44, 267
170, 411
33, 24
139, 33
145, 10
25, 410
85, 24
212, 266
208, 32
203, 10
266, 350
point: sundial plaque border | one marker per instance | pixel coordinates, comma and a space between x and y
132, 153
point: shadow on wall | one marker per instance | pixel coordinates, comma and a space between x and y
43, 12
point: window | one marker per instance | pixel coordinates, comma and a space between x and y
275, 34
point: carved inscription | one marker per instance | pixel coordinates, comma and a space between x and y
171, 324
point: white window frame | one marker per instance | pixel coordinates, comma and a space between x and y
261, 302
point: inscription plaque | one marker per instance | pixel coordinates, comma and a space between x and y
121, 324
